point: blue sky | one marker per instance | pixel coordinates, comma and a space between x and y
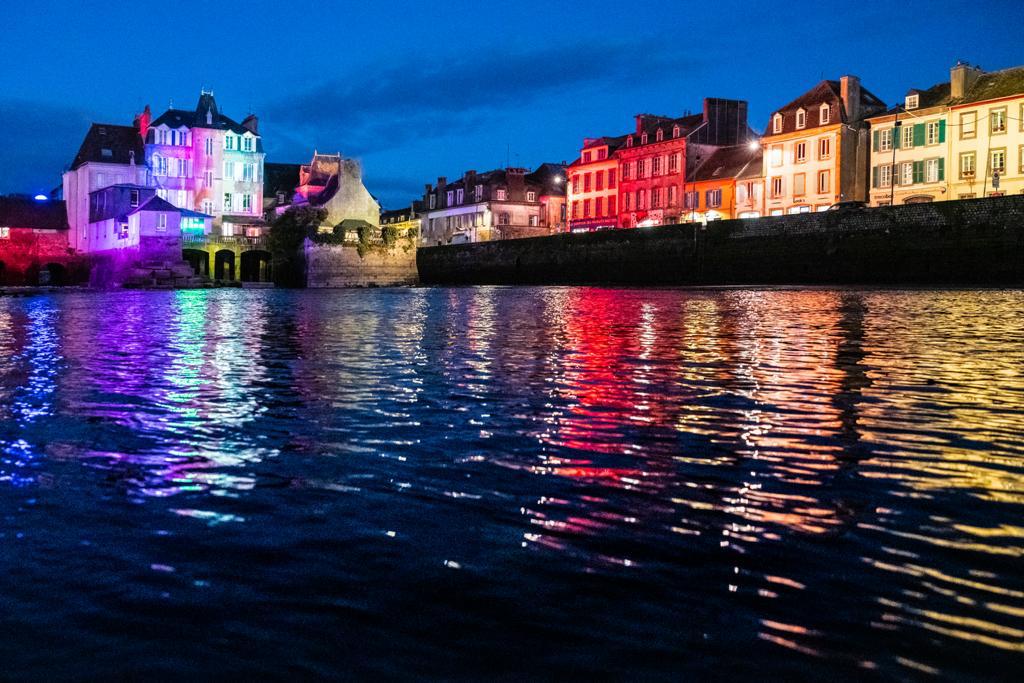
418, 90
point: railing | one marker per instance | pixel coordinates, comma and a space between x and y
240, 240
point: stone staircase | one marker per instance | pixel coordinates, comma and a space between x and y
164, 275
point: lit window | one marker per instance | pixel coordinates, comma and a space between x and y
801, 152
777, 123
885, 140
501, 194
801, 118
659, 136
908, 137
777, 187
227, 201
968, 125
824, 148
5, 233
906, 173
997, 121
161, 222
885, 175
932, 133
967, 165
643, 139
824, 114
133, 200
997, 161
775, 155
530, 196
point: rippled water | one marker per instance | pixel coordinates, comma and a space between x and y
538, 482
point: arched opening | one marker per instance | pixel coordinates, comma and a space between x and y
256, 266
918, 199
53, 274
199, 260
224, 265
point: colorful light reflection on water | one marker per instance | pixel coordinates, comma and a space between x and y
550, 481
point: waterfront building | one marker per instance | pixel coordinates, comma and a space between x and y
728, 184
816, 150
109, 155
200, 159
127, 216
33, 241
505, 203
986, 120
657, 159
592, 192
909, 150
335, 184
406, 221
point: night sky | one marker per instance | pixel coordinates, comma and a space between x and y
417, 90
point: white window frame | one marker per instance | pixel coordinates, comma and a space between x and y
908, 137
907, 173
931, 170
801, 119
912, 101
824, 114
931, 133
885, 140
777, 123
531, 196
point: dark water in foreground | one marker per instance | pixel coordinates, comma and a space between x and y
528, 482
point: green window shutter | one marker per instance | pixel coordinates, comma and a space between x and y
874, 142
918, 134
874, 173
918, 171
942, 130
942, 167
895, 138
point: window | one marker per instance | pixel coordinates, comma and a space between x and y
777, 123
629, 141
932, 133
246, 203
885, 140
659, 136
824, 182
997, 121
968, 125
247, 143
208, 179
501, 194
248, 172
997, 161
713, 198
801, 152
209, 146
931, 170
133, 200
775, 155
1020, 157
911, 101
611, 205
777, 187
208, 206
183, 198
690, 200
586, 157
672, 195
801, 119
531, 196
450, 198
227, 202
640, 200
5, 233
478, 192
586, 208
228, 170
159, 165
161, 222
906, 173
627, 204
611, 178
575, 184
824, 148
675, 131
575, 209
433, 201
459, 196
824, 114
503, 218
643, 139
656, 166
598, 181
908, 137
641, 168
229, 142
106, 153
885, 175
586, 182
599, 206
602, 154
656, 198
967, 164
533, 221
799, 184
673, 163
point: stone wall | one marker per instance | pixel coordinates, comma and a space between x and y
979, 241
340, 265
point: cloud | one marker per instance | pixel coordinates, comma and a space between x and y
386, 106
40, 140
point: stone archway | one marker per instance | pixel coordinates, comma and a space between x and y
255, 266
224, 265
919, 199
199, 260
53, 274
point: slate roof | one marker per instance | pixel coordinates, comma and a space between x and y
110, 144
737, 161
280, 178
156, 203
17, 211
826, 92
650, 124
176, 118
400, 215
994, 85
550, 177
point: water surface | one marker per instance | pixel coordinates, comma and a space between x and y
540, 482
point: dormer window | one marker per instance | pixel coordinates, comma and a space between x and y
801, 119
106, 153
501, 194
643, 139
209, 117
777, 123
629, 141
675, 131
824, 114
912, 101
531, 196
659, 136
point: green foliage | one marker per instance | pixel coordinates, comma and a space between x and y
285, 240
366, 235
390, 235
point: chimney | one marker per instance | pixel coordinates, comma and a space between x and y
141, 122
251, 124
961, 78
849, 91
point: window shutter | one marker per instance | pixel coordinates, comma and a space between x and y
942, 165
918, 134
918, 171
942, 130
874, 142
874, 173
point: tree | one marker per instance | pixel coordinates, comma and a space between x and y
285, 242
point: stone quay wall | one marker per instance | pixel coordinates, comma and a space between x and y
970, 242
341, 265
